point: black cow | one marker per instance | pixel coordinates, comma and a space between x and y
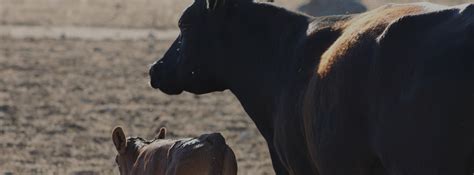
389, 91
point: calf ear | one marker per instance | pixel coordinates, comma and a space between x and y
161, 134
120, 142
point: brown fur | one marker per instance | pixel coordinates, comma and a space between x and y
204, 155
370, 24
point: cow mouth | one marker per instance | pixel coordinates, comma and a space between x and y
169, 91
166, 85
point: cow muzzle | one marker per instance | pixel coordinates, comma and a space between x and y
163, 79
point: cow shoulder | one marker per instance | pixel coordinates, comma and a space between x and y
323, 32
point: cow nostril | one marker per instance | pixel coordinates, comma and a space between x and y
153, 77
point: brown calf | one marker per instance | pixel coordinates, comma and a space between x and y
207, 154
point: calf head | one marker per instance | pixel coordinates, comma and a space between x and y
130, 148
208, 48
207, 154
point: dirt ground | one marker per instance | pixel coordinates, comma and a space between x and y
61, 97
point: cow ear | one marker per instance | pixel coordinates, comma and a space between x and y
120, 142
161, 134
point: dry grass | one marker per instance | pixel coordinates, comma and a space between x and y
60, 99
94, 13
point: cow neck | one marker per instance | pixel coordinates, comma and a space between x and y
278, 40
288, 66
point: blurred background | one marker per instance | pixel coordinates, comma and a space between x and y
71, 70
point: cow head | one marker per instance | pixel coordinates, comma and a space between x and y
199, 58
